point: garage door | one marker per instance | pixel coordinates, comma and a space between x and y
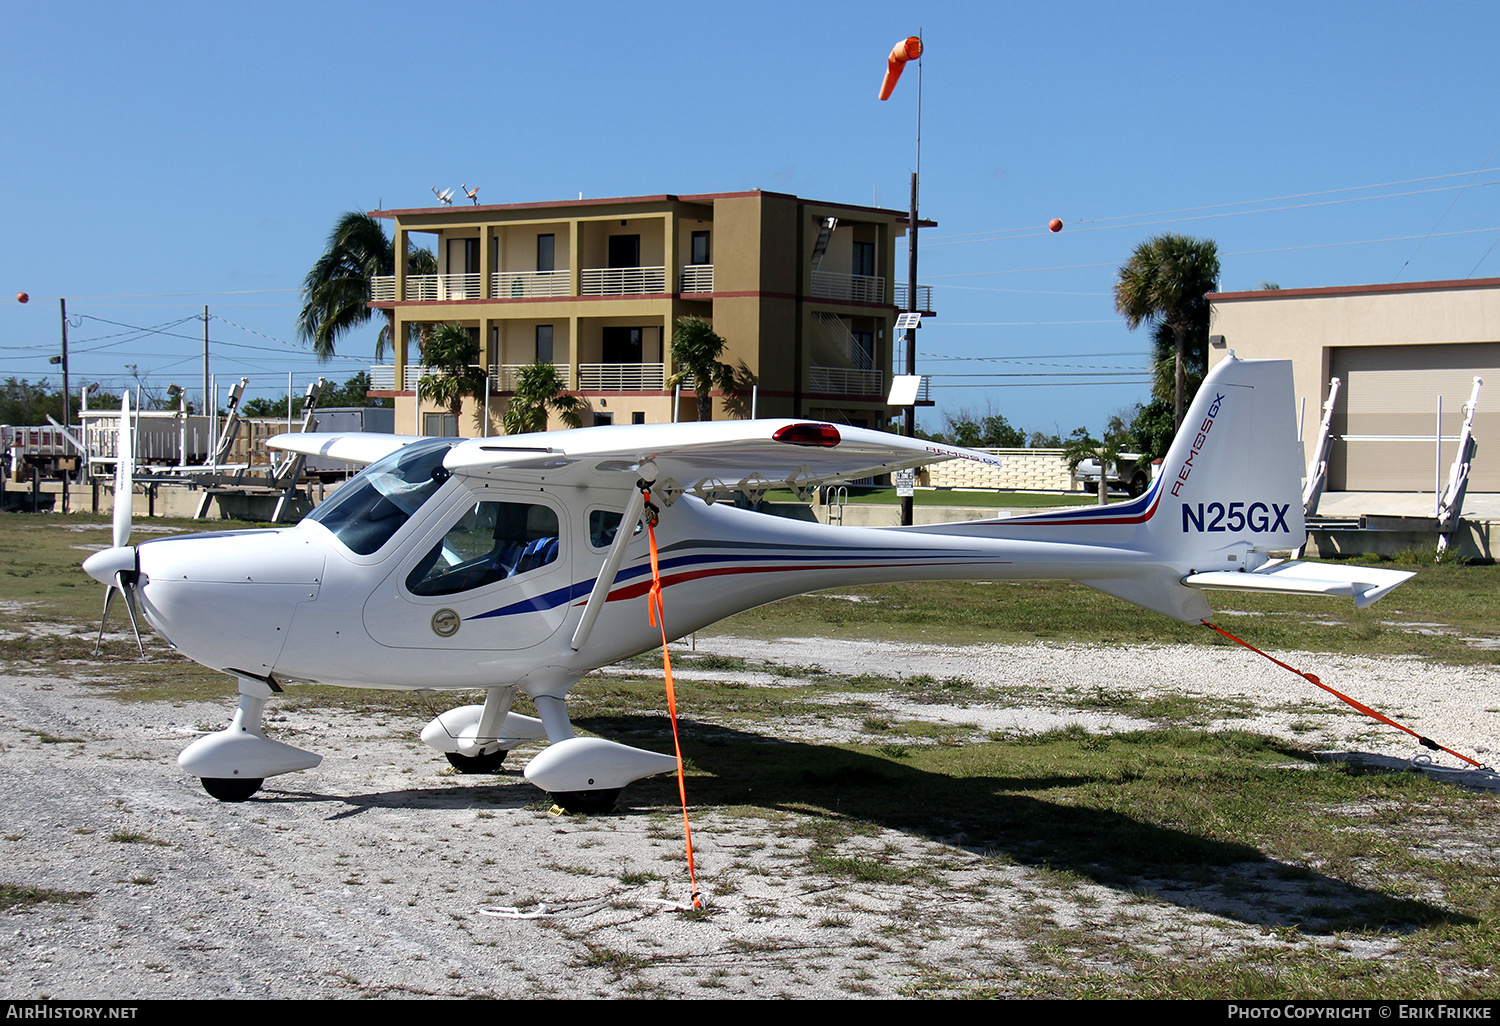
1387, 415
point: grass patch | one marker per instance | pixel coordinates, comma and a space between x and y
16, 898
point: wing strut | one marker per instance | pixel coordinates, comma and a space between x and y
606, 578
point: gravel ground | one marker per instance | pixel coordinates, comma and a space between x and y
379, 874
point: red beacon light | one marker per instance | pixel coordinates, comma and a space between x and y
823, 435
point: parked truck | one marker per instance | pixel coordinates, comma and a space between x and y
1127, 475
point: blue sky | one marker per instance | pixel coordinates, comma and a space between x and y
198, 153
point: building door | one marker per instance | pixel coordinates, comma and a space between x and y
463, 256
623, 345
624, 251
1386, 418
864, 259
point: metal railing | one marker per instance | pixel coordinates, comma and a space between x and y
924, 296
621, 377
844, 381
435, 288
622, 281
383, 378
504, 376
525, 284
836, 330
696, 278
860, 288
383, 288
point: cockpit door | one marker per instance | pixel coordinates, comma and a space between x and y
493, 573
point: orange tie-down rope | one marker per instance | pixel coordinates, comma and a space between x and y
1425, 742
659, 620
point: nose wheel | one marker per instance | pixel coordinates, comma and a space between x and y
590, 803
231, 789
487, 763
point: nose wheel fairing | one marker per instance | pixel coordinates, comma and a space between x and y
234, 761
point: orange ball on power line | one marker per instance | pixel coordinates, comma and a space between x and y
1055, 224
22, 297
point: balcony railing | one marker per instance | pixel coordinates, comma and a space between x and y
383, 288
859, 288
504, 376
621, 377
845, 381
924, 296
383, 378
696, 278
434, 288
622, 281
525, 284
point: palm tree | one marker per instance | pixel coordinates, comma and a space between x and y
1081, 446
695, 351
1163, 284
450, 353
539, 388
336, 292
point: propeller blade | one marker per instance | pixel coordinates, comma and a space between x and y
127, 589
124, 583
109, 594
124, 474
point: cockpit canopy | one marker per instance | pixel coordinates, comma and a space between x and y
367, 512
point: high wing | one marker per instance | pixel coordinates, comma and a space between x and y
346, 446
711, 459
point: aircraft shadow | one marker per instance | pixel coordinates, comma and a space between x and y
1003, 817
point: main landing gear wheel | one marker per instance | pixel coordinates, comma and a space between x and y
586, 802
231, 789
488, 763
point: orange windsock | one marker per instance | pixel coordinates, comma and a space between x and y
909, 49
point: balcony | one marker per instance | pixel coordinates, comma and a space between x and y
924, 297
622, 281
845, 381
857, 288
621, 377
434, 288
383, 378
527, 284
503, 376
696, 278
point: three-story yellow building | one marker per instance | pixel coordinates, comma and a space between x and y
802, 291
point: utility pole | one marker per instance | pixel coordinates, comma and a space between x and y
207, 397
911, 286
911, 301
68, 422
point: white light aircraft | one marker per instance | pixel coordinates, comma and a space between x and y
518, 563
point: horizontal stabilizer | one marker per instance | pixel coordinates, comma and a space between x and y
1364, 584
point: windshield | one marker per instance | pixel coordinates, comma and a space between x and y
367, 511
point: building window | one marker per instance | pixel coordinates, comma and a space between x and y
440, 425
602, 419
544, 343
546, 252
638, 417
700, 249
864, 259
